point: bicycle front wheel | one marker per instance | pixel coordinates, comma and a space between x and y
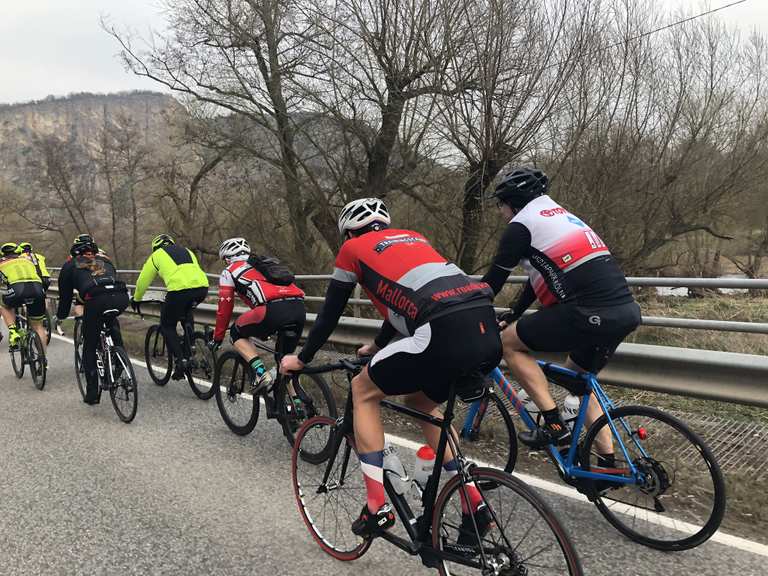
123, 390
18, 361
300, 398
232, 385
516, 534
487, 432
36, 360
678, 500
157, 356
202, 365
79, 368
329, 507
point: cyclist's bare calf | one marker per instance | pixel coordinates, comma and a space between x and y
604, 440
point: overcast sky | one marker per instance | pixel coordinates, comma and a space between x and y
57, 46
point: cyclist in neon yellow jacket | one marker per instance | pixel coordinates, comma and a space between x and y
22, 285
187, 286
25, 249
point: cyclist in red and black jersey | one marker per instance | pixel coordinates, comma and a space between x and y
447, 330
272, 307
587, 307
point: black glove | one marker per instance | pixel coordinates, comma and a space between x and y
135, 306
213, 345
508, 317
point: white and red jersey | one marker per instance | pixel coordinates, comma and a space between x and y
560, 242
253, 289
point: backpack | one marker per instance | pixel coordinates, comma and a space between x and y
272, 269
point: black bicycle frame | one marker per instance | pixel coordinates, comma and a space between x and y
419, 543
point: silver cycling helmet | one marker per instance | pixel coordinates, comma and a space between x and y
360, 213
233, 247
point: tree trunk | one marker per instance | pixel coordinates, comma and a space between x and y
381, 153
480, 175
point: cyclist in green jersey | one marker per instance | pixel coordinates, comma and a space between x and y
22, 284
25, 249
187, 286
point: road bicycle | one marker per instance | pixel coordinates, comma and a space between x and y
518, 536
665, 490
29, 350
291, 400
200, 359
113, 366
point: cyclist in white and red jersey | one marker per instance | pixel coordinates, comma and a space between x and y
586, 309
272, 307
447, 328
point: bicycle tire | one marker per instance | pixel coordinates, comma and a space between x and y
523, 556
18, 360
36, 360
47, 324
200, 376
79, 369
657, 462
124, 392
307, 473
492, 440
157, 356
238, 407
314, 399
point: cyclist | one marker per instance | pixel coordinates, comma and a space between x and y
22, 284
272, 307
187, 286
25, 248
586, 309
95, 279
428, 301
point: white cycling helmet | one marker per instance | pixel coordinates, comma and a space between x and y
233, 247
359, 213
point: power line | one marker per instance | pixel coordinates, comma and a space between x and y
660, 29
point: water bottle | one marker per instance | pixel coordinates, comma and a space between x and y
570, 410
425, 463
395, 470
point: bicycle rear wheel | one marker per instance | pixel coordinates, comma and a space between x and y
18, 361
681, 500
79, 369
202, 366
36, 360
123, 391
523, 534
329, 508
157, 356
310, 397
232, 385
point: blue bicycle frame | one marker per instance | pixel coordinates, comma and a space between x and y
568, 466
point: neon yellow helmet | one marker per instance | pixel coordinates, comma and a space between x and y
161, 240
24, 247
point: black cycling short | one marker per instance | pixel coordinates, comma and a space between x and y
178, 304
589, 335
264, 321
439, 353
20, 292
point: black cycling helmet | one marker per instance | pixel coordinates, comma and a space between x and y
8, 248
161, 240
520, 186
83, 243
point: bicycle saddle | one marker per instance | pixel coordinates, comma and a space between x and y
112, 312
575, 383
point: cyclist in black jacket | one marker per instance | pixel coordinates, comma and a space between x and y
94, 277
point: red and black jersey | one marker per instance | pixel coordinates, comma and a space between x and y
407, 280
253, 289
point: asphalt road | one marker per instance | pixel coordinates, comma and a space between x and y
176, 493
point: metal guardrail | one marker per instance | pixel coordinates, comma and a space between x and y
712, 375
658, 321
